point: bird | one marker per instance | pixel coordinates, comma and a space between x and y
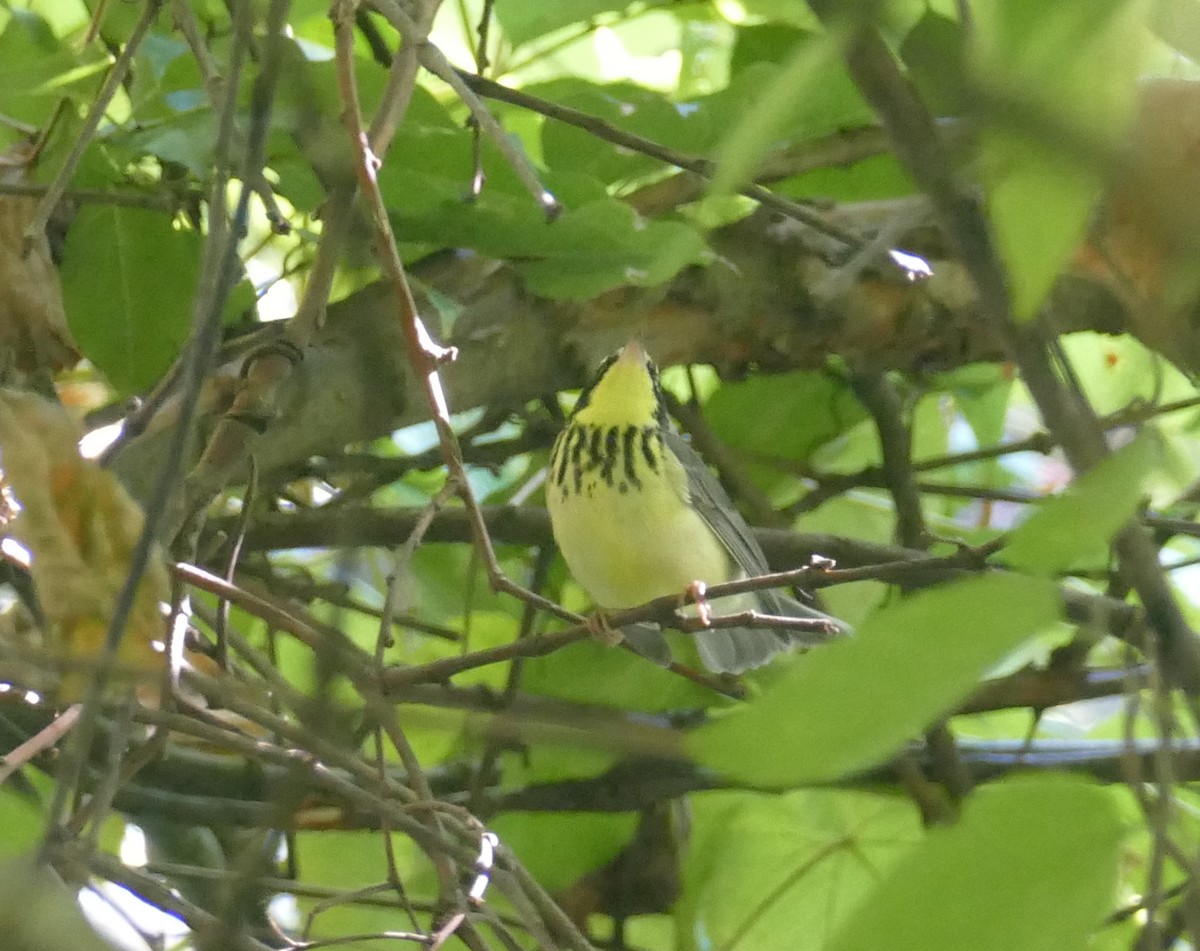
637, 515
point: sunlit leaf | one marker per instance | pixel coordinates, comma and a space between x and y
1062, 77
1030, 865
523, 22
1081, 521
1116, 372
1177, 22
35, 70
559, 847
23, 821
778, 12
783, 872
794, 99
850, 704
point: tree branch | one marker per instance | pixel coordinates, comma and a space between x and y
919, 147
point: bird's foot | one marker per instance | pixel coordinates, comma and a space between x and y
601, 629
695, 594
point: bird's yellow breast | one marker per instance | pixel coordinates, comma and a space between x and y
620, 511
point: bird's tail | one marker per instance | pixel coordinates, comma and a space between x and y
735, 649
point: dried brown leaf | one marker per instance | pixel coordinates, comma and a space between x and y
33, 323
80, 527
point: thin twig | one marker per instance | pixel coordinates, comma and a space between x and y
38, 743
435, 61
610, 133
424, 355
96, 196
160, 895
383, 713
265, 372
216, 280
882, 401
185, 19
249, 498
542, 560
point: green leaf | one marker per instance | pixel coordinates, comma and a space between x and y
781, 872
1068, 67
591, 673
22, 821
766, 43
186, 139
523, 22
166, 80
597, 243
1039, 201
1115, 371
778, 12
806, 410
559, 847
630, 108
128, 280
875, 178
604, 245
933, 52
852, 703
982, 392
1177, 23
703, 52
1079, 524
649, 260
60, 19
36, 72
810, 95
39, 911
1029, 865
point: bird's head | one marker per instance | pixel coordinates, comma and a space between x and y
625, 392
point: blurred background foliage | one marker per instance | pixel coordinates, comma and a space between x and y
1003, 755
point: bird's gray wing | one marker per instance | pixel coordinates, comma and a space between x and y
736, 649
716, 508
648, 641
731, 649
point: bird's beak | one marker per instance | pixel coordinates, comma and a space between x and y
633, 352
